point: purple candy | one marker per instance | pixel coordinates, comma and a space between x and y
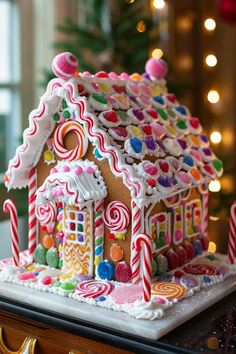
221, 271
80, 217
150, 143
80, 238
165, 277
182, 143
189, 281
146, 76
204, 138
207, 151
138, 114
165, 181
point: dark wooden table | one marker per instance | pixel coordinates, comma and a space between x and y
61, 334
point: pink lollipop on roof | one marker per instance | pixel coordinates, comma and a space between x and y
65, 65
156, 68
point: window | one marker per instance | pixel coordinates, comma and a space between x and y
160, 230
10, 110
77, 223
193, 213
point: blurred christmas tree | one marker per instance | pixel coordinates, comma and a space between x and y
113, 36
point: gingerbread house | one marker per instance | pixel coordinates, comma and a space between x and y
107, 157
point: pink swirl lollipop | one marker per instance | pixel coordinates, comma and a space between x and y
116, 216
200, 269
93, 288
46, 214
65, 65
59, 147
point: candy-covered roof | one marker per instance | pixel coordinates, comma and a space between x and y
147, 136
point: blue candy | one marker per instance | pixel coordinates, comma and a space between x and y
101, 298
98, 250
136, 144
159, 99
188, 160
96, 154
197, 247
206, 279
181, 110
106, 270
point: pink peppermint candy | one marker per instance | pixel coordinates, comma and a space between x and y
65, 65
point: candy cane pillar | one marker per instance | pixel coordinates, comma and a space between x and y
143, 245
32, 235
232, 234
98, 231
136, 227
10, 207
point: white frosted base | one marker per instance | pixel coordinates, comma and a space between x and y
174, 317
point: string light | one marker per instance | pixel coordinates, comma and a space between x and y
215, 186
211, 60
212, 247
157, 53
141, 27
159, 4
216, 137
210, 24
213, 96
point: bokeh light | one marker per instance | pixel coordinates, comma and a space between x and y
213, 96
210, 24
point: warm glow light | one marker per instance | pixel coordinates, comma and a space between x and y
211, 60
159, 4
212, 247
141, 27
131, 1
213, 96
215, 186
157, 53
216, 137
210, 24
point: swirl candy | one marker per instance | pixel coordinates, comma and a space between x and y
65, 65
200, 269
46, 214
116, 216
169, 290
59, 147
93, 289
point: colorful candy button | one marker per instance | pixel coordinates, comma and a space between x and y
171, 100
194, 126
145, 90
208, 171
218, 167
118, 88
135, 147
196, 156
109, 119
150, 115
181, 111
163, 115
158, 130
174, 164
150, 144
150, 168
182, 144
119, 133
143, 101
136, 115
135, 131
170, 131
195, 174
172, 146
158, 101
187, 162
204, 140
183, 179
99, 102
164, 167
124, 117
122, 101
181, 126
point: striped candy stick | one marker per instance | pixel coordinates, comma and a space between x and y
99, 231
232, 234
136, 227
32, 235
10, 207
143, 246
205, 214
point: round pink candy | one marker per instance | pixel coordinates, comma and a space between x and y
50, 229
167, 239
47, 280
113, 75
158, 130
86, 74
90, 170
124, 76
53, 170
156, 68
78, 170
184, 177
160, 300
178, 234
65, 168
65, 65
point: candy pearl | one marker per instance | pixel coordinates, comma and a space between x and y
78, 170
54, 193
178, 234
90, 170
53, 170
160, 301
65, 65
156, 68
86, 74
65, 168
119, 236
124, 76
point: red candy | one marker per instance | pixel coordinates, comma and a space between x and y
152, 113
101, 74
151, 182
29, 276
123, 272
147, 129
65, 65
111, 236
164, 166
120, 131
111, 116
194, 122
182, 255
189, 250
171, 97
178, 273
118, 89
205, 243
173, 259
47, 280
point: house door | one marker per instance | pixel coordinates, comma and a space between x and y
78, 243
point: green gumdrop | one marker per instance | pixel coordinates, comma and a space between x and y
57, 284
66, 114
181, 124
60, 263
162, 264
162, 113
154, 269
64, 104
218, 165
100, 98
56, 117
40, 254
52, 257
68, 286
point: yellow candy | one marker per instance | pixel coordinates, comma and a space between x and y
162, 227
120, 236
97, 260
31, 267
59, 227
122, 99
156, 90
171, 130
60, 248
213, 343
178, 225
104, 88
65, 276
48, 156
190, 230
72, 237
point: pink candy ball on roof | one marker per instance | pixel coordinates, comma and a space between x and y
65, 65
65, 168
156, 68
78, 171
101, 74
113, 75
86, 74
124, 76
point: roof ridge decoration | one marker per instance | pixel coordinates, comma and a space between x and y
126, 118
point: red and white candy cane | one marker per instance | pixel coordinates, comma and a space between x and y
10, 207
116, 216
143, 245
46, 215
205, 214
59, 136
32, 225
232, 234
136, 229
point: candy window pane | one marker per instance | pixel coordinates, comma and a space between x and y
160, 230
178, 222
193, 215
75, 225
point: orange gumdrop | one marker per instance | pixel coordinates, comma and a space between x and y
47, 241
116, 252
195, 173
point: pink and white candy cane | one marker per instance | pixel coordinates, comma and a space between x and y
143, 246
136, 229
46, 215
10, 207
232, 234
116, 216
32, 225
